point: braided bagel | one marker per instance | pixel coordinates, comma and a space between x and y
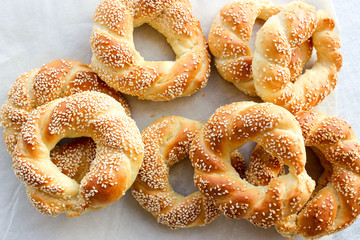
274, 43
232, 126
119, 153
334, 204
167, 141
229, 37
56, 79
118, 63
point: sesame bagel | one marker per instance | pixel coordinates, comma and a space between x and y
228, 129
167, 141
229, 38
119, 153
334, 203
274, 45
117, 62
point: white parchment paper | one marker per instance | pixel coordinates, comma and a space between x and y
33, 33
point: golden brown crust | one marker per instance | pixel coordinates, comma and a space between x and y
119, 153
57, 79
232, 126
275, 42
333, 205
167, 141
229, 37
118, 63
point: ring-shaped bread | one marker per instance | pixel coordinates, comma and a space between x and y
335, 202
119, 153
229, 38
167, 142
274, 44
57, 79
275, 129
117, 62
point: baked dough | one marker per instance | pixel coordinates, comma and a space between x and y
274, 44
278, 132
118, 63
229, 37
119, 153
167, 141
57, 79
334, 203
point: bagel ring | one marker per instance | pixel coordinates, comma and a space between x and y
274, 44
232, 126
334, 203
229, 37
117, 62
167, 141
119, 153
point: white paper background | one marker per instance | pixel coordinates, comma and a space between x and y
36, 32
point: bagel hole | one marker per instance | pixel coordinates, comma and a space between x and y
311, 61
286, 169
181, 177
64, 141
257, 25
152, 45
246, 151
313, 166
71, 163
